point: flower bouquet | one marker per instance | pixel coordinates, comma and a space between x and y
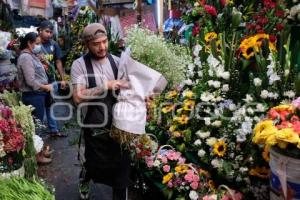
280, 129
12, 141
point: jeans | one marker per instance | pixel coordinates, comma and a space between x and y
39, 101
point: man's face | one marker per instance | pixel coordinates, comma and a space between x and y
98, 47
46, 34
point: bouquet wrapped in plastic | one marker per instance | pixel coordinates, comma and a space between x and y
129, 113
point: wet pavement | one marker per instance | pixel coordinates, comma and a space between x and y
64, 170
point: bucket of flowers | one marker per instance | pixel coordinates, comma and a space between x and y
279, 134
12, 142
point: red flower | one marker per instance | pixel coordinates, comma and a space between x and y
211, 10
202, 2
284, 114
4, 126
279, 27
279, 13
250, 26
273, 114
294, 118
6, 112
272, 38
296, 126
223, 3
284, 124
269, 4
196, 30
263, 20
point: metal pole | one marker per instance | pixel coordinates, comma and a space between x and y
139, 11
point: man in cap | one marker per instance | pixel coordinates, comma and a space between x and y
51, 58
94, 85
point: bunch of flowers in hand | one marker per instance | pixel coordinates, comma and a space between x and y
281, 128
12, 141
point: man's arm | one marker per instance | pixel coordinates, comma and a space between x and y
61, 72
81, 93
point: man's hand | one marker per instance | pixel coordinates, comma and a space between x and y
47, 88
117, 84
63, 85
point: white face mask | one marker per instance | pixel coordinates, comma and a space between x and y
37, 49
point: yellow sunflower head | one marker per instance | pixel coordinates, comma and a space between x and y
167, 109
171, 94
220, 148
258, 38
188, 105
272, 47
188, 94
183, 119
249, 47
210, 36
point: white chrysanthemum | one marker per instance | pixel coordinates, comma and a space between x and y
197, 49
193, 195
207, 121
273, 78
290, 94
248, 98
226, 75
264, 94
203, 135
216, 163
201, 153
197, 142
250, 111
212, 61
217, 123
188, 82
211, 141
225, 88
38, 143
217, 84
260, 107
257, 82
232, 107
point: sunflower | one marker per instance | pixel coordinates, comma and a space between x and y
188, 94
183, 119
211, 185
266, 153
220, 148
258, 38
188, 105
248, 47
167, 109
171, 94
261, 172
210, 36
272, 47
167, 178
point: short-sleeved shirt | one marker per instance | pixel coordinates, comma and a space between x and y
102, 70
52, 52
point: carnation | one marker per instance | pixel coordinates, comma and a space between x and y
226, 75
201, 153
197, 142
203, 135
193, 195
211, 141
264, 94
225, 88
257, 82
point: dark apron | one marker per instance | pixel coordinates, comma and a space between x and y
105, 161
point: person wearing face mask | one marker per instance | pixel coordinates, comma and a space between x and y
34, 84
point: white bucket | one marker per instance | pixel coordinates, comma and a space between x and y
284, 177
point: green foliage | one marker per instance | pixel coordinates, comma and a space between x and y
151, 50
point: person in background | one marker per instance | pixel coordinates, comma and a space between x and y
33, 82
51, 58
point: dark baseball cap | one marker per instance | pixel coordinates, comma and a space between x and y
45, 24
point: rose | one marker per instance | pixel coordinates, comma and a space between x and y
166, 168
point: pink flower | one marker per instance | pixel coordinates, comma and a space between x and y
149, 162
164, 160
225, 198
170, 184
211, 10
166, 168
189, 176
210, 197
172, 155
181, 161
296, 102
194, 185
238, 196
196, 178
